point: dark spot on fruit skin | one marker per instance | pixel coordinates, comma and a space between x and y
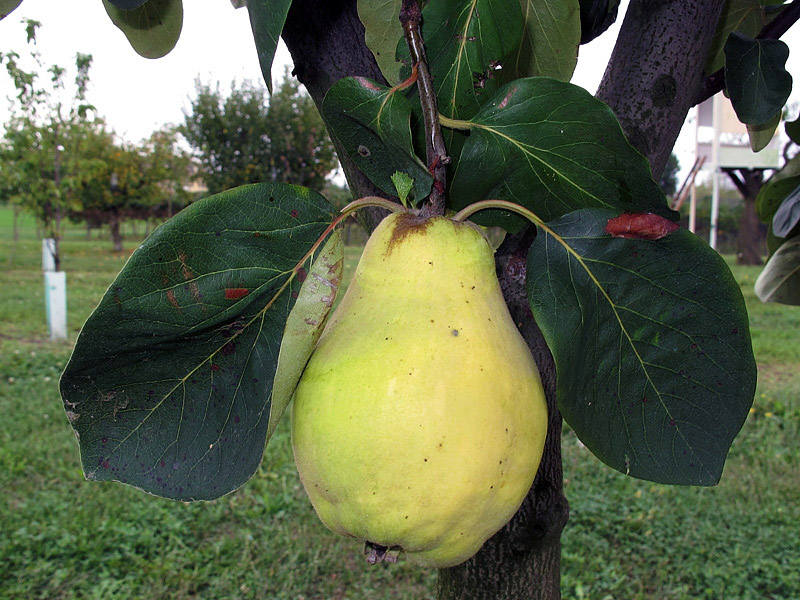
455, 332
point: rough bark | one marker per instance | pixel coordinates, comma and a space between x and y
656, 69
326, 41
748, 241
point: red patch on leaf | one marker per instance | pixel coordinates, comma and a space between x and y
504, 101
301, 274
235, 293
370, 85
642, 226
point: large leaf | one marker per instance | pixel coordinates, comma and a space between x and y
153, 28
305, 323
596, 17
770, 198
127, 4
553, 148
756, 78
761, 135
655, 369
168, 388
745, 16
372, 122
780, 279
787, 217
6, 6
267, 18
466, 42
549, 43
382, 34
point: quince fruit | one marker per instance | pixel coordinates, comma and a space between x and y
420, 419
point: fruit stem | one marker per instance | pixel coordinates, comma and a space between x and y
464, 213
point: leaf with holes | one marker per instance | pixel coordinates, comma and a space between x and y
168, 387
466, 42
373, 123
549, 43
266, 21
780, 279
552, 148
650, 338
153, 28
756, 78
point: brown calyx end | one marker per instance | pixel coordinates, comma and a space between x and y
376, 553
406, 224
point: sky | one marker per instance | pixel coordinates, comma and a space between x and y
136, 95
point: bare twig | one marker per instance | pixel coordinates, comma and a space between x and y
410, 17
773, 30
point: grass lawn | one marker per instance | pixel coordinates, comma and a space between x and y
63, 537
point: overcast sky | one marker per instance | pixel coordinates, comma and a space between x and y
137, 95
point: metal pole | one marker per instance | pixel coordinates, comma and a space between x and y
717, 123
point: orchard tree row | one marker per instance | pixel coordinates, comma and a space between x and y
61, 160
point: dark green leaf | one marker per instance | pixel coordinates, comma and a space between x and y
651, 342
553, 148
745, 16
549, 42
127, 4
382, 33
780, 279
6, 6
152, 29
267, 18
787, 217
168, 388
596, 17
372, 122
771, 196
761, 135
792, 129
756, 79
305, 323
466, 42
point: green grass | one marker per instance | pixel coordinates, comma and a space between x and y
63, 537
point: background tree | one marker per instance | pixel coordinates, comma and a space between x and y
126, 181
244, 138
44, 139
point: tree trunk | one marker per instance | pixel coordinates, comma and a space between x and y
662, 48
326, 41
748, 242
116, 233
17, 210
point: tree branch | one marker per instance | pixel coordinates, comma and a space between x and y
773, 30
436, 153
